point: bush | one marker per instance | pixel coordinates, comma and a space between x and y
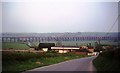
108, 61
112, 54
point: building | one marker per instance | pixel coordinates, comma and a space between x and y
77, 50
65, 49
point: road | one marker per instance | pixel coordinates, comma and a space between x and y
82, 64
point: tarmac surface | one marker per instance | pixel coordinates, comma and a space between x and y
78, 65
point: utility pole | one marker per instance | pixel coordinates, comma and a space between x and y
99, 41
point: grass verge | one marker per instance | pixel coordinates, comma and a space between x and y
108, 61
22, 61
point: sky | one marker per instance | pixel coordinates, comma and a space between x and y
59, 16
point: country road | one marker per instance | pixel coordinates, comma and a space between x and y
82, 64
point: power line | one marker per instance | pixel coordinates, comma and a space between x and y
113, 25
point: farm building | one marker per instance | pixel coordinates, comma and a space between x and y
65, 49
77, 50
45, 46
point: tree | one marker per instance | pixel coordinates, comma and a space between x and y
98, 47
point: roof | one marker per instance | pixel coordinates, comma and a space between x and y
64, 47
68, 46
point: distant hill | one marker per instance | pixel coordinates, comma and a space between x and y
59, 34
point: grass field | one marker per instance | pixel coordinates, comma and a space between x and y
22, 46
19, 46
22, 61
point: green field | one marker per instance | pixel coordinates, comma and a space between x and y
8, 45
20, 46
22, 61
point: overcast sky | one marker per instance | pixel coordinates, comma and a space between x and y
59, 16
